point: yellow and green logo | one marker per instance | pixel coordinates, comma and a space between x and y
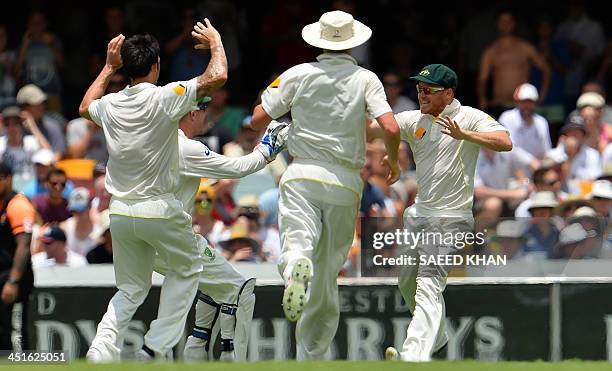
424, 72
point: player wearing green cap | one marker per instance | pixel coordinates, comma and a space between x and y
445, 138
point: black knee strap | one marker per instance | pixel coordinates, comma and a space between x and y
227, 345
201, 332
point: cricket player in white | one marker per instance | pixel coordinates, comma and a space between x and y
445, 138
329, 101
140, 126
225, 298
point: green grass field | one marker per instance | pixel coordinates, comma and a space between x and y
325, 366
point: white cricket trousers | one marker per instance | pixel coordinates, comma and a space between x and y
422, 285
317, 220
136, 240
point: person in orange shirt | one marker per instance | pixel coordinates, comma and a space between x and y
16, 278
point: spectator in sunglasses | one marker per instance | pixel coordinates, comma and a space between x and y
393, 89
53, 207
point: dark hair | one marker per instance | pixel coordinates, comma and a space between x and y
5, 169
55, 171
139, 53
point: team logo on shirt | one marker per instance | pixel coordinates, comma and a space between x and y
209, 253
275, 83
420, 133
180, 89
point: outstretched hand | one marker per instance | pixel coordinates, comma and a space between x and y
450, 127
206, 35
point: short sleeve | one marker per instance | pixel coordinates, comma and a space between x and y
95, 112
178, 98
277, 98
21, 215
406, 123
484, 123
376, 100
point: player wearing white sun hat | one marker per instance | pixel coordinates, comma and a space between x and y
330, 101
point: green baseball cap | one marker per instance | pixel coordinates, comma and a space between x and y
437, 74
200, 104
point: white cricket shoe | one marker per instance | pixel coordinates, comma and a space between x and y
195, 350
294, 297
391, 354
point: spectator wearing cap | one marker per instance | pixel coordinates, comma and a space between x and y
17, 149
103, 252
85, 139
79, 226
55, 251
53, 207
528, 130
599, 133
33, 100
43, 161
542, 234
583, 163
597, 87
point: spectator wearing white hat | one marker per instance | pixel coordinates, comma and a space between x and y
79, 226
43, 161
17, 149
601, 198
33, 100
543, 232
593, 100
590, 108
528, 130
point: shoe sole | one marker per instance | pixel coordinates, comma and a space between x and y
294, 297
391, 354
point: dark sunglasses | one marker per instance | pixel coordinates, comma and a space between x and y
427, 90
202, 106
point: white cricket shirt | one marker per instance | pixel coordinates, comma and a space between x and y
140, 126
445, 166
329, 101
197, 161
534, 138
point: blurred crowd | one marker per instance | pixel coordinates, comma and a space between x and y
545, 78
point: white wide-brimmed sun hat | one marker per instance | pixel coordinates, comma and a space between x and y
336, 30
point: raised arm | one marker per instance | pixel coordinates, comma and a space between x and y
541, 63
497, 140
215, 74
98, 87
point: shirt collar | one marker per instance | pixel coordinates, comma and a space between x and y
452, 109
181, 133
133, 89
336, 58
